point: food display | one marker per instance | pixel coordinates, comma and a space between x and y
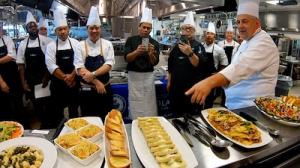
10, 130
68, 140
21, 157
160, 143
235, 127
84, 149
91, 132
117, 149
76, 123
286, 108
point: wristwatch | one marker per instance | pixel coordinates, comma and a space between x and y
94, 73
191, 54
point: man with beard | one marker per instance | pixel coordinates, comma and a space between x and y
142, 54
10, 86
98, 58
216, 56
254, 68
33, 70
60, 58
185, 67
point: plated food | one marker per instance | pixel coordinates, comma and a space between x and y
21, 157
116, 141
10, 130
285, 109
160, 143
88, 152
235, 128
91, 132
76, 123
69, 140
27, 152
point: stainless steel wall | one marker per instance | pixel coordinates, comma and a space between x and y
281, 20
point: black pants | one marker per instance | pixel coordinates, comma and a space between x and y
62, 98
11, 106
95, 104
181, 104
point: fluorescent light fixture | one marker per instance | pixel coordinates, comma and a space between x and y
273, 2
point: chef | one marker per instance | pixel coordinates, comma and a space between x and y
43, 27
142, 54
229, 44
10, 85
60, 58
254, 68
216, 56
32, 67
185, 67
98, 58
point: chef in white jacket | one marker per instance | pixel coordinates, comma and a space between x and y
34, 74
228, 43
98, 58
43, 27
254, 68
216, 56
61, 61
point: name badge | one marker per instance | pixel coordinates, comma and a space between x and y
32, 55
65, 58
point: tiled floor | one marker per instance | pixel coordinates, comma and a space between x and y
295, 90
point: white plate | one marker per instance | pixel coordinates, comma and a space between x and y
144, 153
265, 137
106, 144
48, 149
66, 161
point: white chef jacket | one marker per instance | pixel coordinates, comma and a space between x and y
44, 41
63, 45
219, 54
11, 49
252, 72
94, 49
225, 43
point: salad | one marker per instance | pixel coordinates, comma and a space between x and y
10, 130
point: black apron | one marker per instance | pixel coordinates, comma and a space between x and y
35, 65
228, 51
11, 103
9, 72
91, 102
62, 95
64, 60
211, 69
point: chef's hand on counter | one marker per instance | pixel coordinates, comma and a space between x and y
4, 87
186, 49
99, 86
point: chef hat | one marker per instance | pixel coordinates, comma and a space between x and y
30, 18
94, 18
189, 20
229, 26
43, 23
147, 16
211, 28
249, 7
59, 18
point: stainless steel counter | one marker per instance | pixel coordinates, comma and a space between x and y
281, 148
